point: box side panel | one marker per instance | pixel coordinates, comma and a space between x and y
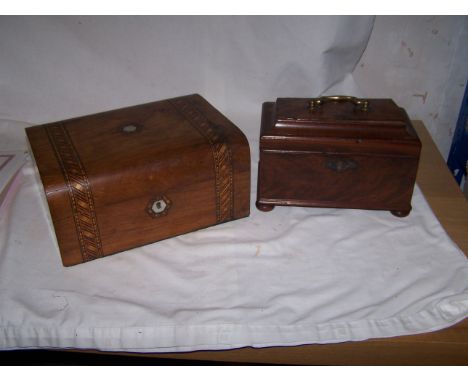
336, 180
239, 152
56, 195
242, 189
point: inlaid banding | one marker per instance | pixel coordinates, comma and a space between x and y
222, 157
79, 191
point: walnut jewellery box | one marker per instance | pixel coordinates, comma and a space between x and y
128, 177
339, 152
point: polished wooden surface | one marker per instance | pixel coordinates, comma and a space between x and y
132, 176
445, 347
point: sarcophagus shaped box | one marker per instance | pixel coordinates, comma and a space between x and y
337, 151
128, 177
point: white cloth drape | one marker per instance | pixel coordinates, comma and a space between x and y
290, 276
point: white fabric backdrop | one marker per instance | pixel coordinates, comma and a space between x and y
291, 276
59, 67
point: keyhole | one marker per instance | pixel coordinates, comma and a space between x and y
159, 206
129, 129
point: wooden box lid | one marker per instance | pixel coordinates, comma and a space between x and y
293, 123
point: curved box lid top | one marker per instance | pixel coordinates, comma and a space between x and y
382, 119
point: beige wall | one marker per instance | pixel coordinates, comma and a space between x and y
422, 63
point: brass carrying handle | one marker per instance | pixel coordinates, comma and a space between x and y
362, 104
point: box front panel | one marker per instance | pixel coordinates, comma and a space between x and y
175, 198
336, 180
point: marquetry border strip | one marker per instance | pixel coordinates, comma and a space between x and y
79, 191
222, 157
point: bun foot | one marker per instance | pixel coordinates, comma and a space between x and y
264, 207
401, 213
